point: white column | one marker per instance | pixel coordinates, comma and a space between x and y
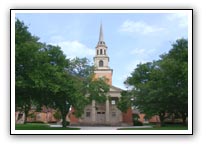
93, 113
120, 115
107, 111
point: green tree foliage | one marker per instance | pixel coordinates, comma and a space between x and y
125, 101
41, 74
97, 90
161, 87
81, 67
26, 48
57, 115
175, 66
91, 88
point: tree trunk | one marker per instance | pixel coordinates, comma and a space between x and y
26, 110
64, 123
184, 118
162, 117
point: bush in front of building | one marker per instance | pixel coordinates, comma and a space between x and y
57, 115
34, 121
136, 120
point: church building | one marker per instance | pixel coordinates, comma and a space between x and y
107, 113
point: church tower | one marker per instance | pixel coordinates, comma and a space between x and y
105, 113
101, 60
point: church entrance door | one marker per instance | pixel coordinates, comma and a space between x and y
100, 118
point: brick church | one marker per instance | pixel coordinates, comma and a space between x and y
107, 113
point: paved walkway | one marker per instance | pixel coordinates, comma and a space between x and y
103, 127
109, 127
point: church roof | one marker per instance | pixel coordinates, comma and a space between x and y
113, 88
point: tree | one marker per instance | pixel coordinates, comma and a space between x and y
54, 86
26, 48
125, 101
40, 73
148, 90
45, 77
161, 87
175, 67
70, 83
82, 68
89, 87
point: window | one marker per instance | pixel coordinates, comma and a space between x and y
20, 115
102, 42
113, 102
100, 112
104, 52
97, 52
100, 51
87, 114
101, 63
113, 114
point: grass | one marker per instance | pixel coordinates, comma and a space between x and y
40, 126
169, 127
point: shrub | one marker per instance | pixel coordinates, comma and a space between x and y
52, 122
57, 115
35, 122
136, 121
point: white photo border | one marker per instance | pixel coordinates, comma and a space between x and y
13, 12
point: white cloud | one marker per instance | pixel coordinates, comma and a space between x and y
141, 56
143, 53
139, 27
138, 51
181, 18
75, 48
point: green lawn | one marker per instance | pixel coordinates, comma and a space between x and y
158, 128
40, 126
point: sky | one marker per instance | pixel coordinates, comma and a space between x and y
131, 38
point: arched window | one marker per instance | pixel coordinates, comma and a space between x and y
100, 51
101, 63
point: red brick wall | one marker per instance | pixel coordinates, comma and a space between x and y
141, 116
127, 117
106, 75
73, 118
153, 119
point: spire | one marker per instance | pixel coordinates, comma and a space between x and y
101, 35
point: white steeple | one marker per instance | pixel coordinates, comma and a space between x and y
101, 59
101, 35
101, 41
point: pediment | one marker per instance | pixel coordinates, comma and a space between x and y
115, 89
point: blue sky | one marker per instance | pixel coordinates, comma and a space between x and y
132, 38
